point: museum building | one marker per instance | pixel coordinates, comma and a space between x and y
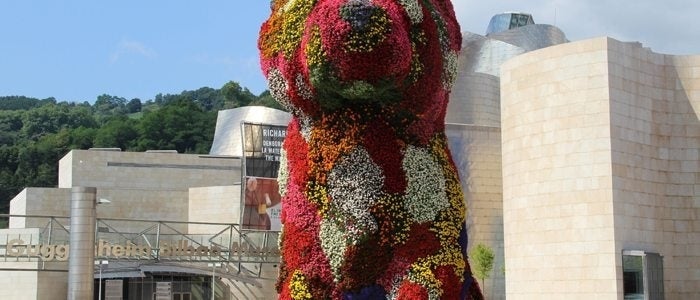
167, 225
580, 163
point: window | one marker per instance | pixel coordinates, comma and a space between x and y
633, 276
182, 296
642, 275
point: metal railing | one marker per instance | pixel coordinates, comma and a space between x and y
44, 239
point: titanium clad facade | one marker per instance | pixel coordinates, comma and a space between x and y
227, 137
531, 37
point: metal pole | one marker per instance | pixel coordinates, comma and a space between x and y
81, 260
213, 278
213, 282
158, 241
99, 294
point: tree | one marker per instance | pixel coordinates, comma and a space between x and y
119, 132
235, 96
52, 118
9, 185
180, 125
481, 261
18, 103
10, 125
106, 106
133, 106
266, 99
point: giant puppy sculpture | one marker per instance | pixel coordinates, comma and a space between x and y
372, 205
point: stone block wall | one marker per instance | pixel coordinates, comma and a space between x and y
557, 187
601, 154
656, 166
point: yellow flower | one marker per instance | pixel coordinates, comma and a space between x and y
379, 27
298, 288
315, 55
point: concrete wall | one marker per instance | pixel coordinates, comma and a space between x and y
600, 155
146, 171
52, 286
42, 201
152, 186
21, 285
30, 284
215, 204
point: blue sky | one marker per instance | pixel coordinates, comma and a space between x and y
75, 50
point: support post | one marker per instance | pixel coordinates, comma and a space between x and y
82, 243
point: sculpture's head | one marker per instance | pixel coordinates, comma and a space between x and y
321, 55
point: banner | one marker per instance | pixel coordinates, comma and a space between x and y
262, 147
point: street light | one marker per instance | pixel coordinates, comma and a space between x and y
100, 263
213, 277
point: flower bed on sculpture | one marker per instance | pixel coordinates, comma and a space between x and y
372, 205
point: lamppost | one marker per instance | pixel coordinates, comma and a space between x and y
213, 277
100, 263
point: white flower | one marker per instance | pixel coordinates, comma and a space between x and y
278, 88
333, 244
425, 193
303, 89
449, 69
355, 184
283, 173
413, 10
305, 127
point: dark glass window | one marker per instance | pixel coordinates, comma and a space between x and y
499, 23
642, 275
633, 276
507, 21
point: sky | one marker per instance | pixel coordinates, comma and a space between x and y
76, 50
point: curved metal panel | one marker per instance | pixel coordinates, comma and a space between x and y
475, 100
481, 54
532, 37
227, 137
475, 97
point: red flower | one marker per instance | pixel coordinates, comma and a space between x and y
421, 242
451, 283
385, 149
364, 263
410, 291
297, 152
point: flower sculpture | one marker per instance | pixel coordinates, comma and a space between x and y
372, 205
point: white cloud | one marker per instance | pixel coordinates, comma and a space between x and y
130, 47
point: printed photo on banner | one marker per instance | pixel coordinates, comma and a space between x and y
262, 147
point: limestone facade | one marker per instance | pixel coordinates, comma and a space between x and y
600, 143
